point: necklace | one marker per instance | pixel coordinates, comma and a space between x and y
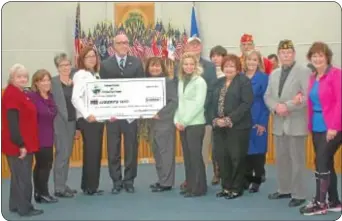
68, 82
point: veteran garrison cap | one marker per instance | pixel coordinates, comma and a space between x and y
285, 44
246, 38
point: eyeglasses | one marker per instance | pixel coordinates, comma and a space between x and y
90, 56
64, 65
122, 43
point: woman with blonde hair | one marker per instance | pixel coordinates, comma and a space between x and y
255, 162
190, 121
42, 98
19, 140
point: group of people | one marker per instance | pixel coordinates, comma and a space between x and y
224, 103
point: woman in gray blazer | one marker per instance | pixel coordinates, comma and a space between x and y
64, 124
162, 129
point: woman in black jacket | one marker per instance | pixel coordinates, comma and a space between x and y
232, 121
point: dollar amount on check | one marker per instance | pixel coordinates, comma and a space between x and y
125, 98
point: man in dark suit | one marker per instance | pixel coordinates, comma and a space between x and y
122, 65
194, 45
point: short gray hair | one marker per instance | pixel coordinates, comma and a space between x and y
59, 58
15, 69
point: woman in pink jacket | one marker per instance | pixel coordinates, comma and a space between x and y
324, 117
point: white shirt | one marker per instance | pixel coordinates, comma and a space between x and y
78, 92
118, 59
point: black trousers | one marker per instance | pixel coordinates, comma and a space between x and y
214, 159
231, 146
21, 184
41, 171
195, 175
254, 168
114, 132
264, 163
92, 135
326, 180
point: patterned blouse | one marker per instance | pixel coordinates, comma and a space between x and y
227, 120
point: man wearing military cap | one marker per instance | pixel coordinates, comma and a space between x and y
246, 45
289, 124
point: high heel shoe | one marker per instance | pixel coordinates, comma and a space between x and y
44, 199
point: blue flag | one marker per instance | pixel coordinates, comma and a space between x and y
194, 28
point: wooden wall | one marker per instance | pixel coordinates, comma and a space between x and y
146, 156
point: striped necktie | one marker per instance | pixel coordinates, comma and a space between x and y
121, 65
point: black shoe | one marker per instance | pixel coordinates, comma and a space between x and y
254, 188
296, 202
45, 199
129, 188
116, 189
93, 192
233, 195
223, 193
155, 185
161, 188
276, 195
64, 194
33, 212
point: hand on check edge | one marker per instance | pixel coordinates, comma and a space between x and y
112, 119
156, 117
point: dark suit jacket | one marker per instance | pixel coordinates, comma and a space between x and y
210, 77
238, 101
110, 68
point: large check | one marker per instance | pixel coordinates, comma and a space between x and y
125, 98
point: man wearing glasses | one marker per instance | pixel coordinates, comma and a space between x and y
122, 65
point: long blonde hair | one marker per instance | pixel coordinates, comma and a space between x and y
198, 67
261, 66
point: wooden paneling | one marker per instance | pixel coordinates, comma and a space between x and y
145, 154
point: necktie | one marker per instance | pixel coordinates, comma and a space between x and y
122, 61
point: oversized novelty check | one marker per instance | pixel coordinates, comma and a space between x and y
125, 98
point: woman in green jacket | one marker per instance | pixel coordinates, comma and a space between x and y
190, 121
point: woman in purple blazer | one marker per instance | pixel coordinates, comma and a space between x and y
46, 110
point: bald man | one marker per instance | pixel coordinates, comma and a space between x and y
121, 65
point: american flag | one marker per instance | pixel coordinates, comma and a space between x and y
77, 42
148, 52
139, 48
110, 51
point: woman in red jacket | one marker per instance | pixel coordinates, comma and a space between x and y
19, 140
